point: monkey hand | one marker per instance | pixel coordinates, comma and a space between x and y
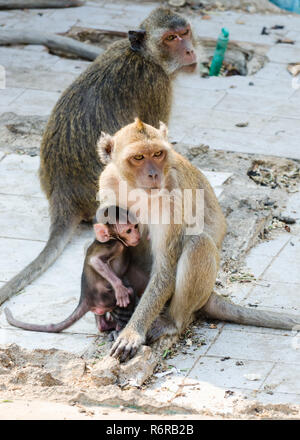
123, 295
127, 344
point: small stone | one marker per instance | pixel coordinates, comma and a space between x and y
105, 371
239, 363
177, 3
138, 369
252, 376
242, 124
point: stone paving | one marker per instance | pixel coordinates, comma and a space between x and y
250, 362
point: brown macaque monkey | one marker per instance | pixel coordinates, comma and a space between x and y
184, 264
107, 267
132, 77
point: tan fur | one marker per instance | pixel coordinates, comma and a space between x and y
174, 255
184, 267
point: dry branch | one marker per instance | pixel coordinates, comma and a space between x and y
64, 44
39, 4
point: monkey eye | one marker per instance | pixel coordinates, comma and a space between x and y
128, 231
185, 32
136, 226
157, 153
138, 157
171, 37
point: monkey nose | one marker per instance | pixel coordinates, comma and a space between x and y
153, 176
190, 56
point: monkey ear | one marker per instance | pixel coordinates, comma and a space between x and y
101, 232
163, 130
139, 124
136, 39
105, 147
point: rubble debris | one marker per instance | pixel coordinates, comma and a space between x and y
97, 37
228, 393
285, 41
241, 277
177, 3
227, 69
294, 68
269, 174
286, 220
92, 34
242, 124
265, 31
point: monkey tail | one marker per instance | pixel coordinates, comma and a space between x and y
61, 232
80, 310
220, 308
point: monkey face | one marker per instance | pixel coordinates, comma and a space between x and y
129, 233
140, 154
179, 45
147, 165
102, 301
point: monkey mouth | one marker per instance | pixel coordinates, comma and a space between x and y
189, 67
148, 189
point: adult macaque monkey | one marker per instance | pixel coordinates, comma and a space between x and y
130, 78
184, 267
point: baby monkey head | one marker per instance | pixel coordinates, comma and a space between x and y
140, 153
128, 233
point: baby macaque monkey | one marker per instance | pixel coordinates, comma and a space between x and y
109, 282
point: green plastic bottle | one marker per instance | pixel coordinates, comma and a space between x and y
219, 54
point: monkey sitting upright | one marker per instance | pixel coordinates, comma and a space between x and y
107, 267
185, 259
133, 77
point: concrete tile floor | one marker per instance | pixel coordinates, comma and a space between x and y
271, 107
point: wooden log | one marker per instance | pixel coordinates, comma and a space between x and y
52, 41
38, 4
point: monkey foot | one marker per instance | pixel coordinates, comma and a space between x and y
126, 345
162, 326
113, 336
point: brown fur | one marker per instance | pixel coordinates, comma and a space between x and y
107, 268
130, 78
